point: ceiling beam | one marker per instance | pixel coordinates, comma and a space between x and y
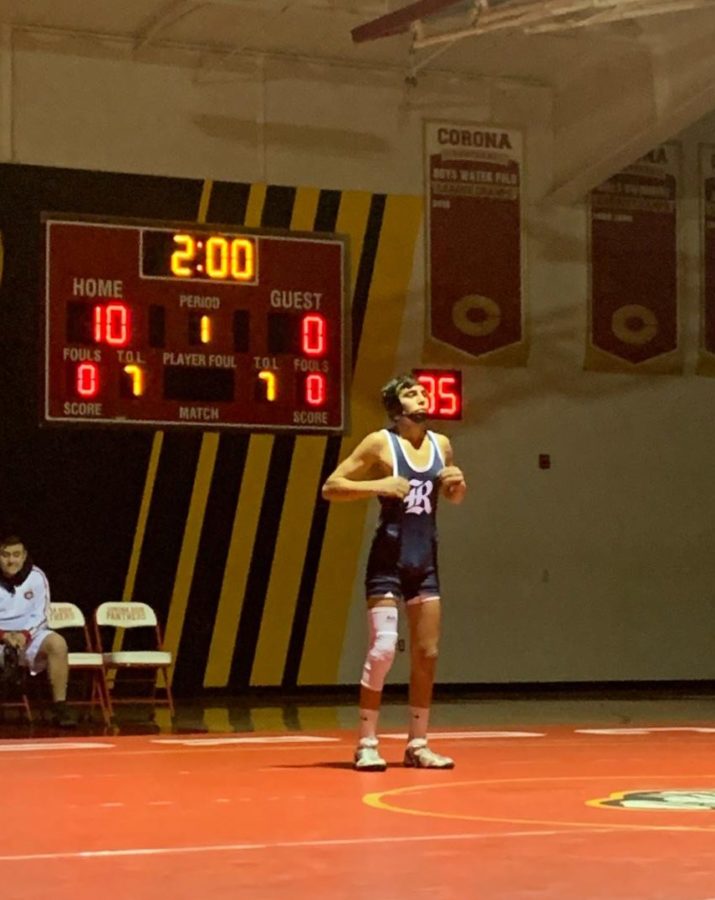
170, 13
198, 56
400, 20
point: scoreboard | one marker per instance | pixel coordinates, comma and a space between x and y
159, 324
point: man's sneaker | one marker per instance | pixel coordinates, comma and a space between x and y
61, 716
367, 759
419, 756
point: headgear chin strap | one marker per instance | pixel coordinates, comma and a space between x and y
418, 417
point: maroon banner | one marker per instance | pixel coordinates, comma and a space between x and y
633, 314
473, 242
706, 361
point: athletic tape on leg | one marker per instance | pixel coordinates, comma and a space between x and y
382, 625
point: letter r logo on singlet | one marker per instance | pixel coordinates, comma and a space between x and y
418, 501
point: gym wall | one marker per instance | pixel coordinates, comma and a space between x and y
599, 568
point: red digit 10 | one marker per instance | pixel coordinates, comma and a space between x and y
315, 389
87, 380
112, 324
313, 338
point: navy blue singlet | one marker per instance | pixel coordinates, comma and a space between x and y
403, 555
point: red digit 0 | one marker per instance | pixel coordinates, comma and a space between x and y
87, 380
315, 389
313, 335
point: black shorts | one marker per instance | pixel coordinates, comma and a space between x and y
403, 584
389, 573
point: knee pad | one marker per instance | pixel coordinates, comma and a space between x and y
382, 624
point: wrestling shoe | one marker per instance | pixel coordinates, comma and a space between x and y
419, 756
367, 758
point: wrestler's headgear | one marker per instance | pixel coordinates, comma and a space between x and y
391, 397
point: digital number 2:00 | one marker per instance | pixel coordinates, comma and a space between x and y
219, 258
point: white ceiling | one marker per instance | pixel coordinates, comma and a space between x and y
538, 40
623, 75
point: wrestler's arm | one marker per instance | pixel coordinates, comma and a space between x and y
451, 479
351, 479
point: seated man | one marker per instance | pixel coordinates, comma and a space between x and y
24, 602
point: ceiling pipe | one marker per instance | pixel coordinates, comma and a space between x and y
551, 17
620, 14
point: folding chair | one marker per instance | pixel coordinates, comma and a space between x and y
81, 657
151, 662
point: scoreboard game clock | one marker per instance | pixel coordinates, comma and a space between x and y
159, 324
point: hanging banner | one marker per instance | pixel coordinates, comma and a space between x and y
633, 311
473, 244
706, 358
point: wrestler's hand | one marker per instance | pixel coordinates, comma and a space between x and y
15, 639
394, 486
451, 476
451, 481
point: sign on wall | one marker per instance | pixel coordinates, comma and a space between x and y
706, 361
473, 179
633, 310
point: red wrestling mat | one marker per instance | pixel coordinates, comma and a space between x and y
548, 813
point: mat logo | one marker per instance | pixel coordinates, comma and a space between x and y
670, 800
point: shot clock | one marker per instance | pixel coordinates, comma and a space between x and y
172, 324
444, 389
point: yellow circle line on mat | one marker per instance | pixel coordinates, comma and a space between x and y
377, 800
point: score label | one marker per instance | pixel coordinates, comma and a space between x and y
151, 324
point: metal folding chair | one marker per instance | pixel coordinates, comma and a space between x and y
82, 657
152, 663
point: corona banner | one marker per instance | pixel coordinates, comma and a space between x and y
473, 243
706, 359
633, 309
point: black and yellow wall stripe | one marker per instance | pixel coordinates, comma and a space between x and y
225, 535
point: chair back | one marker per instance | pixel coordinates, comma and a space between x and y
65, 615
82, 658
125, 614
